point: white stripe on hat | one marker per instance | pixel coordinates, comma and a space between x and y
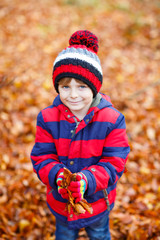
79, 56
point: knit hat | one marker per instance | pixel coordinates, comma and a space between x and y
80, 61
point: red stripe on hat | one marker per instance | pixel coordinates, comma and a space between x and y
78, 70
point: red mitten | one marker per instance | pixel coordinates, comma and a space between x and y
61, 190
78, 187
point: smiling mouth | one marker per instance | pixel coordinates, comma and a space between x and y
75, 102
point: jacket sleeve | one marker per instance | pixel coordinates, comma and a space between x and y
44, 155
112, 163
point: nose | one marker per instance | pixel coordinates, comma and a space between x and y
74, 93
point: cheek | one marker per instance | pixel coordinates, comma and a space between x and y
89, 97
88, 100
63, 94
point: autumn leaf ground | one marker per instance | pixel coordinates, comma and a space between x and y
31, 35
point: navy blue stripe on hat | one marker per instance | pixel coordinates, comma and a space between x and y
76, 76
77, 62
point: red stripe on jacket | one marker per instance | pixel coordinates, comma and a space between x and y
117, 162
42, 158
90, 148
99, 174
43, 136
62, 146
107, 113
44, 173
98, 206
114, 139
48, 114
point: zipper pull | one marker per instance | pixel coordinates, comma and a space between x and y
51, 191
106, 198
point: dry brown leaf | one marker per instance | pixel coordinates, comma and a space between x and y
31, 36
80, 207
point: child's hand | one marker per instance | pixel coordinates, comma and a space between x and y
78, 187
61, 190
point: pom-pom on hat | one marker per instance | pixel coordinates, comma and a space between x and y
80, 61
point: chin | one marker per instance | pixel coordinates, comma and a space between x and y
75, 108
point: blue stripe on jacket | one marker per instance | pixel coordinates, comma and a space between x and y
41, 149
121, 152
62, 130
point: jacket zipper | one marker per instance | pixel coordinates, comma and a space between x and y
106, 198
77, 123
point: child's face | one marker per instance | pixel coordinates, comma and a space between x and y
76, 95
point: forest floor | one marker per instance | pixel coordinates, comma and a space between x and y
32, 33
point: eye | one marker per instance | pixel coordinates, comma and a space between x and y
83, 86
65, 87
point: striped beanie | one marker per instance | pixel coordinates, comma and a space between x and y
80, 61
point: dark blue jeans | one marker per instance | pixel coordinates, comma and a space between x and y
96, 231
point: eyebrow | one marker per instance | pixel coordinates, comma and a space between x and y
82, 83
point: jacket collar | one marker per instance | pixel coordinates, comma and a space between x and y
99, 102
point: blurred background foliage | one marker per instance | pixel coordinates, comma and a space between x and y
32, 33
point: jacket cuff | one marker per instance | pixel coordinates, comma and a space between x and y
91, 182
52, 175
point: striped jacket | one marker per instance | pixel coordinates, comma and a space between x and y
96, 146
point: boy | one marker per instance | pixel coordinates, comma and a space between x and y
84, 133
